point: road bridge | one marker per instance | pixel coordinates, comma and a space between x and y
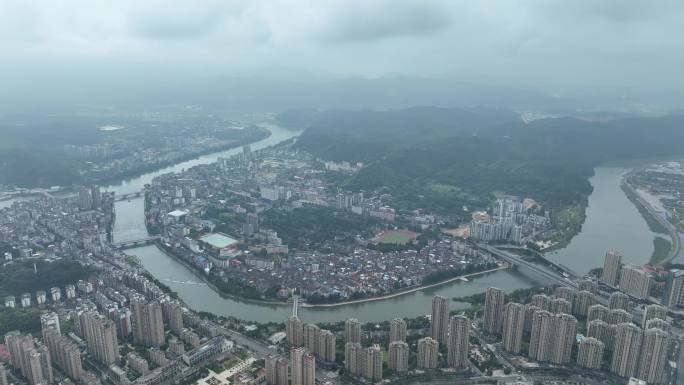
555, 265
134, 242
518, 261
123, 197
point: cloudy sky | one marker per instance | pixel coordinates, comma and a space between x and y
541, 43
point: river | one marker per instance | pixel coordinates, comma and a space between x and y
612, 221
130, 225
201, 297
190, 287
136, 184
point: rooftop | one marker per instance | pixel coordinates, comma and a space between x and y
218, 240
178, 213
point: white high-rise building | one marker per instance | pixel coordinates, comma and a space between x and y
566, 293
598, 311
493, 312
398, 356
294, 329
311, 336
373, 363
618, 316
353, 358
588, 285
561, 306
282, 372
513, 326
397, 330
529, 315
674, 291
618, 300
583, 300
626, 349
653, 356
352, 330
611, 267
542, 301
31, 360
100, 336
459, 336
590, 353
564, 338
552, 337
148, 322
657, 323
326, 345
440, 319
602, 331
654, 311
50, 320
635, 281
309, 369
427, 353
297, 364
3, 375
270, 363
303, 367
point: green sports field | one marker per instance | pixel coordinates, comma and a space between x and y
396, 237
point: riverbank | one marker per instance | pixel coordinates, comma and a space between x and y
573, 217
175, 273
655, 222
199, 274
258, 136
612, 222
404, 292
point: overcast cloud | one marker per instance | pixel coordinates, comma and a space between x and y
542, 43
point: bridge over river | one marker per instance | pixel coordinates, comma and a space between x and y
553, 276
135, 242
127, 196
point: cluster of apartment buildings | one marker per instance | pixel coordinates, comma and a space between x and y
633, 351
129, 155
631, 279
73, 225
41, 296
548, 329
513, 219
135, 310
253, 256
308, 343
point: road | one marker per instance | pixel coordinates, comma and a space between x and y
262, 350
403, 292
488, 380
679, 373
674, 234
514, 259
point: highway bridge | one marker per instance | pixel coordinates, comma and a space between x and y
538, 269
123, 197
541, 256
134, 242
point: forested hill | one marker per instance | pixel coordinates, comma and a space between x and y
478, 152
367, 134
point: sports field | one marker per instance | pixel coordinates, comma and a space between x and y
396, 237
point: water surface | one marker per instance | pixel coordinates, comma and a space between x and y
612, 221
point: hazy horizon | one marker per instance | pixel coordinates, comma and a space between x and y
69, 51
